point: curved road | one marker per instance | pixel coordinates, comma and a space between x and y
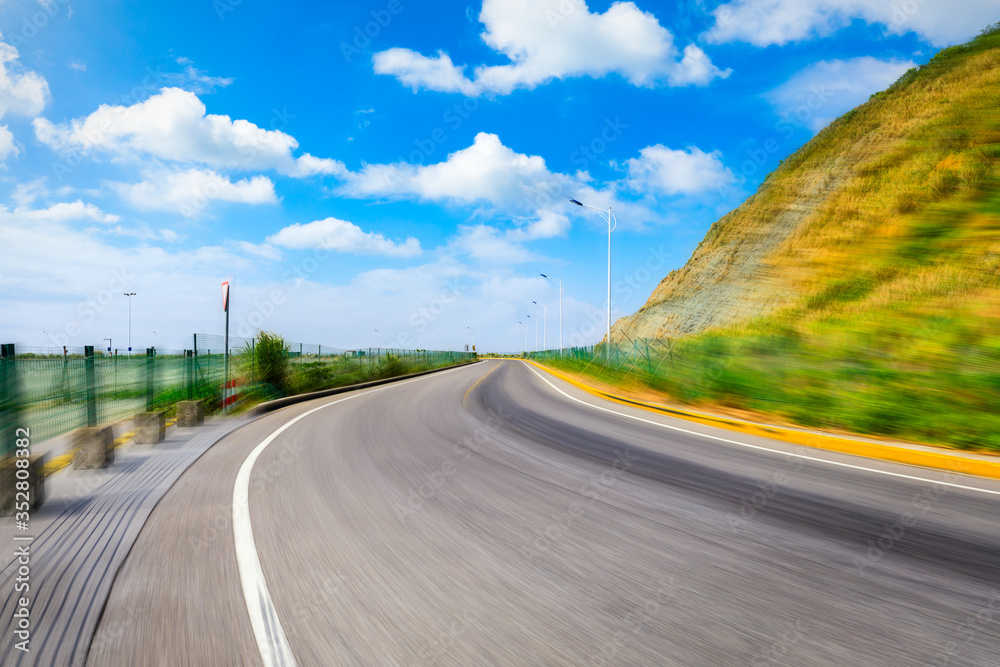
495, 515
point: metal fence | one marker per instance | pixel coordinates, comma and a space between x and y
55, 390
650, 357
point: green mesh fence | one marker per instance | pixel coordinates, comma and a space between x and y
55, 390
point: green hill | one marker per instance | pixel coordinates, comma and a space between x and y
859, 288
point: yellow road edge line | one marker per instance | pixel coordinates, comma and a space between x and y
63, 460
469, 390
869, 450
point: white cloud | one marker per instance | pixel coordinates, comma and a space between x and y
194, 79
8, 146
556, 39
262, 250
23, 93
488, 245
78, 66
342, 236
766, 22
502, 183
173, 125
56, 213
27, 193
677, 172
139, 231
418, 71
190, 191
824, 90
485, 171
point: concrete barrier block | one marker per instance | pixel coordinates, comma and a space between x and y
95, 447
149, 428
8, 484
190, 413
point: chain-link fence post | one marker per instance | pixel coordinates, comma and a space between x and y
189, 374
10, 399
150, 372
88, 354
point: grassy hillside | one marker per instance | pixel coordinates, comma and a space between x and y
911, 174
859, 288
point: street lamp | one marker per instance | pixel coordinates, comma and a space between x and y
525, 324
536, 331
156, 339
611, 228
129, 295
378, 339
473, 338
545, 322
560, 311
109, 345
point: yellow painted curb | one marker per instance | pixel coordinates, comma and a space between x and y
870, 450
60, 462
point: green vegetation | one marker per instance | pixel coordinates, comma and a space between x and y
886, 292
265, 361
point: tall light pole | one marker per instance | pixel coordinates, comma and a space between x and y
611, 228
536, 331
109, 346
129, 295
156, 339
560, 311
378, 341
525, 324
545, 322
473, 339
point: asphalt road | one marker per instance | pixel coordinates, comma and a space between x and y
488, 515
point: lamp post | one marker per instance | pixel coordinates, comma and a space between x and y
525, 324
545, 322
560, 311
536, 331
109, 346
473, 339
611, 228
156, 340
129, 295
378, 343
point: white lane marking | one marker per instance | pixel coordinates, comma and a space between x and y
271, 639
766, 449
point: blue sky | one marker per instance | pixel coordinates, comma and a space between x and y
397, 165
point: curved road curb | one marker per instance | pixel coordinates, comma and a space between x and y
870, 450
